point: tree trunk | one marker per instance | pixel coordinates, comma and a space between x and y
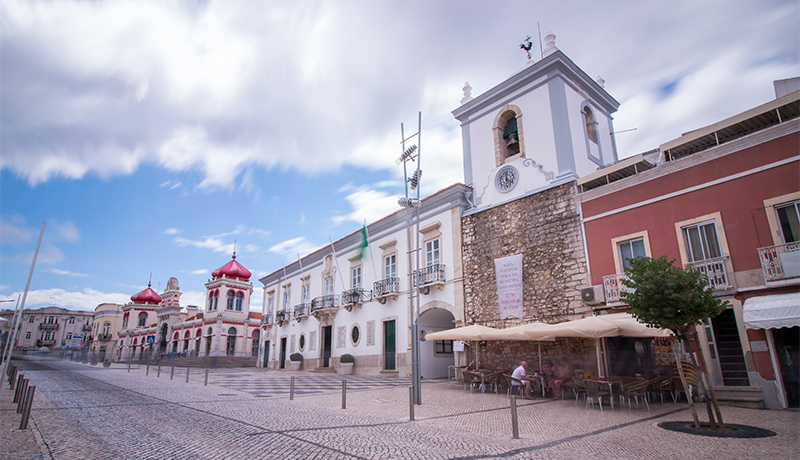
704, 368
673, 339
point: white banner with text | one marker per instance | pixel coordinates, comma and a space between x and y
508, 271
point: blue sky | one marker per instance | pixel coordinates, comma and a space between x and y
151, 136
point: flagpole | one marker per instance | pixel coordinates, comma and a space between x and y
371, 258
336, 259
21, 305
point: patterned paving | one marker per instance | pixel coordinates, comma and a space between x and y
274, 383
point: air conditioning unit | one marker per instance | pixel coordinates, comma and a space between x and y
593, 295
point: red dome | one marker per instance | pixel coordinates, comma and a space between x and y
148, 296
232, 269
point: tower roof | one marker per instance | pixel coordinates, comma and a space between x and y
147, 296
232, 269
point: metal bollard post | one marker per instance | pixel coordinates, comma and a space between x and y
22, 389
26, 412
187, 373
19, 387
514, 421
129, 365
291, 389
13, 378
411, 403
159, 371
171, 372
205, 382
344, 394
147, 372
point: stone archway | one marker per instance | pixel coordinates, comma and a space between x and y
436, 356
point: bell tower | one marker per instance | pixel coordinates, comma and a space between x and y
547, 124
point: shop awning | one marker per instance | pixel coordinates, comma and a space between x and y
772, 311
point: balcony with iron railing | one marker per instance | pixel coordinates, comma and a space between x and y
48, 326
324, 303
432, 275
716, 270
45, 343
355, 296
104, 337
386, 287
283, 315
781, 262
87, 328
302, 310
266, 319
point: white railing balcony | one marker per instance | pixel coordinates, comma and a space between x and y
386, 287
780, 262
715, 270
613, 288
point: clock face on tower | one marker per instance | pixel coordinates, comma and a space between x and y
506, 179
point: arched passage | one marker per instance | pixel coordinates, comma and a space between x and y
436, 355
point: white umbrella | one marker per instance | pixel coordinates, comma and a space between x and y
469, 333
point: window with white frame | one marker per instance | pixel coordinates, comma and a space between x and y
390, 266
306, 291
329, 286
31, 319
287, 297
789, 221
69, 336
630, 249
28, 335
271, 302
432, 252
355, 277
229, 304
591, 124
702, 242
142, 319
239, 300
71, 320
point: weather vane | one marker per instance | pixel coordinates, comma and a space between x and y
527, 46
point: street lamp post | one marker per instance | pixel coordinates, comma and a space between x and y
411, 201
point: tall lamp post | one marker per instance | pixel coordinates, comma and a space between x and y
409, 202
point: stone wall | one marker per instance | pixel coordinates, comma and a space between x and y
507, 354
545, 228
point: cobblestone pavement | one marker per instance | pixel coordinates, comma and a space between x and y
92, 412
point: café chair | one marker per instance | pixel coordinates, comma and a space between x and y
596, 392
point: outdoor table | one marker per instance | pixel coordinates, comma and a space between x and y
610, 384
539, 377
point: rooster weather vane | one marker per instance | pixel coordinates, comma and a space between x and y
527, 46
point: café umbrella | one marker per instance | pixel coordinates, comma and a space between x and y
471, 333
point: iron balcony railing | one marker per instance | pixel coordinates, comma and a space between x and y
48, 326
283, 315
613, 288
356, 296
87, 327
780, 262
104, 337
715, 270
267, 319
324, 301
429, 275
45, 343
303, 309
386, 287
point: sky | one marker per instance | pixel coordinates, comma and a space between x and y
153, 137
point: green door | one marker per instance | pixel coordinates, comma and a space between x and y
327, 344
389, 346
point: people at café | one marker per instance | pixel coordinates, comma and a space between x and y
561, 373
521, 376
547, 373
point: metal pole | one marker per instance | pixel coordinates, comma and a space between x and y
22, 389
411, 403
187, 373
147, 372
26, 411
159, 371
291, 389
19, 387
205, 382
344, 394
11, 338
129, 365
417, 371
514, 420
171, 372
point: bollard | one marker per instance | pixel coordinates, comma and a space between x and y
187, 374
171, 372
19, 387
205, 382
13, 377
514, 421
22, 389
129, 365
411, 403
291, 389
147, 372
23, 424
344, 394
159, 371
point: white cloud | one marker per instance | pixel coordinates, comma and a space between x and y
14, 231
171, 231
369, 204
294, 246
201, 271
87, 299
209, 242
68, 273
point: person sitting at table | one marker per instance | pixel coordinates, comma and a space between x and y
521, 376
547, 374
562, 372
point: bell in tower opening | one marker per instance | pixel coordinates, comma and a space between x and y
511, 136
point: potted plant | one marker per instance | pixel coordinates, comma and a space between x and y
347, 360
296, 359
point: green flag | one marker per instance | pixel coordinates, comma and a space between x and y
362, 248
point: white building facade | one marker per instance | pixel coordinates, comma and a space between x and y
347, 299
52, 327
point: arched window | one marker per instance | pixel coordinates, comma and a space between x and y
230, 345
229, 305
216, 299
591, 124
125, 319
142, 319
509, 142
210, 305
254, 346
239, 298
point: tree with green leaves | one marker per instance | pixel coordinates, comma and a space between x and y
668, 297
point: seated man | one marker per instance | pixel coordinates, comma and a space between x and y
521, 374
562, 372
